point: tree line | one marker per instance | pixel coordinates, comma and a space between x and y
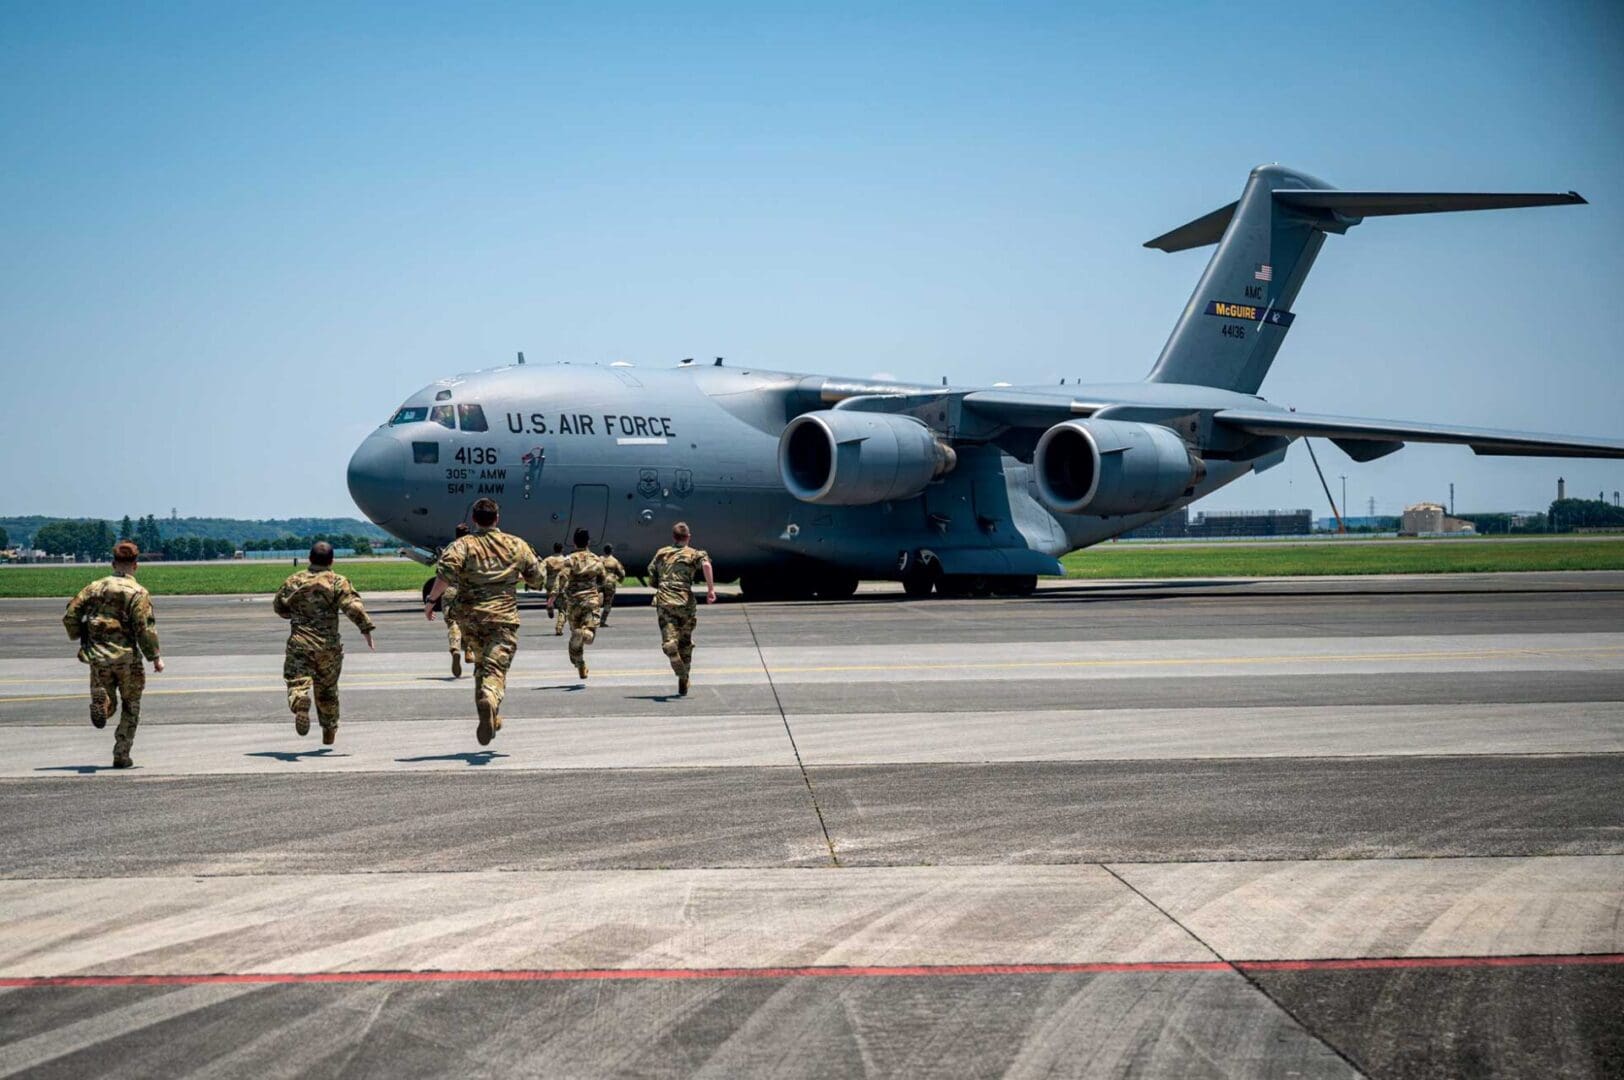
94, 540
361, 544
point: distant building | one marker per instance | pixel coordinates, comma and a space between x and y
1232, 523
1431, 519
1163, 528
1379, 523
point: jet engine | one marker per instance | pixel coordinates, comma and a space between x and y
841, 457
1113, 467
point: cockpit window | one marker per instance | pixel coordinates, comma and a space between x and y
473, 418
410, 414
445, 416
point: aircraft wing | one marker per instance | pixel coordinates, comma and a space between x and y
1026, 408
1482, 440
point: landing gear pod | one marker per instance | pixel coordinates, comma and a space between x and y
841, 457
1113, 467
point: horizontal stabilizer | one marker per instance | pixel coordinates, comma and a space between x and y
1208, 229
1481, 440
1385, 203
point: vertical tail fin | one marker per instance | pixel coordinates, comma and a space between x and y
1267, 241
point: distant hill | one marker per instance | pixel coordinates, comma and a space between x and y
21, 529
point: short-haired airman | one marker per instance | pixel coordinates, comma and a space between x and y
672, 572
486, 567
113, 622
312, 600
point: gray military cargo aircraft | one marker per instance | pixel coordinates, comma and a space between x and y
803, 484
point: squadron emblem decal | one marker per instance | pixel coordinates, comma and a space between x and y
533, 461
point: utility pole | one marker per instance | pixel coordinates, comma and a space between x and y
1344, 478
1452, 498
1373, 507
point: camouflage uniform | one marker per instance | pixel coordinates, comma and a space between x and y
554, 564
672, 574
614, 572
113, 622
485, 567
311, 601
453, 625
580, 586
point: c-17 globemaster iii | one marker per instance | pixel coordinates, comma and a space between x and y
803, 484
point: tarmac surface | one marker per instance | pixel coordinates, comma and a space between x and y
1305, 827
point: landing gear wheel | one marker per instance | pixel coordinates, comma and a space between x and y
836, 585
959, 585
763, 587
1015, 585
918, 586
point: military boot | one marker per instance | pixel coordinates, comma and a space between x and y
301, 721
456, 666
121, 760
496, 723
485, 731
682, 686
98, 718
580, 667
329, 735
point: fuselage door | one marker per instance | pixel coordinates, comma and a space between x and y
589, 510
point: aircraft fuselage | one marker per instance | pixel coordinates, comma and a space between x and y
627, 452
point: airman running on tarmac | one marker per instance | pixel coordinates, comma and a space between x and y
614, 572
460, 653
311, 600
486, 567
113, 622
672, 573
554, 563
580, 589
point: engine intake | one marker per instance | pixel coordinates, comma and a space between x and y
1113, 467
840, 457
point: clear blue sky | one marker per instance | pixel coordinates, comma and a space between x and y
237, 235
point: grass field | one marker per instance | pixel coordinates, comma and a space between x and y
1104, 561
1369, 557
224, 577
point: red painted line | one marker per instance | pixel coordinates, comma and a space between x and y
913, 971
1401, 963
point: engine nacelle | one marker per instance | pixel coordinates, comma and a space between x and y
1112, 467
849, 458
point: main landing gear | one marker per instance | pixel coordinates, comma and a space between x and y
823, 583
959, 586
918, 585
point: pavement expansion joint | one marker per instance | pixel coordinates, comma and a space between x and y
1286, 1011
806, 777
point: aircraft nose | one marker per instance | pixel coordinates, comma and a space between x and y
377, 478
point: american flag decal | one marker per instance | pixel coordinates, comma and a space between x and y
1264, 272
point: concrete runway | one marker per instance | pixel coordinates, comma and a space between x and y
1308, 827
